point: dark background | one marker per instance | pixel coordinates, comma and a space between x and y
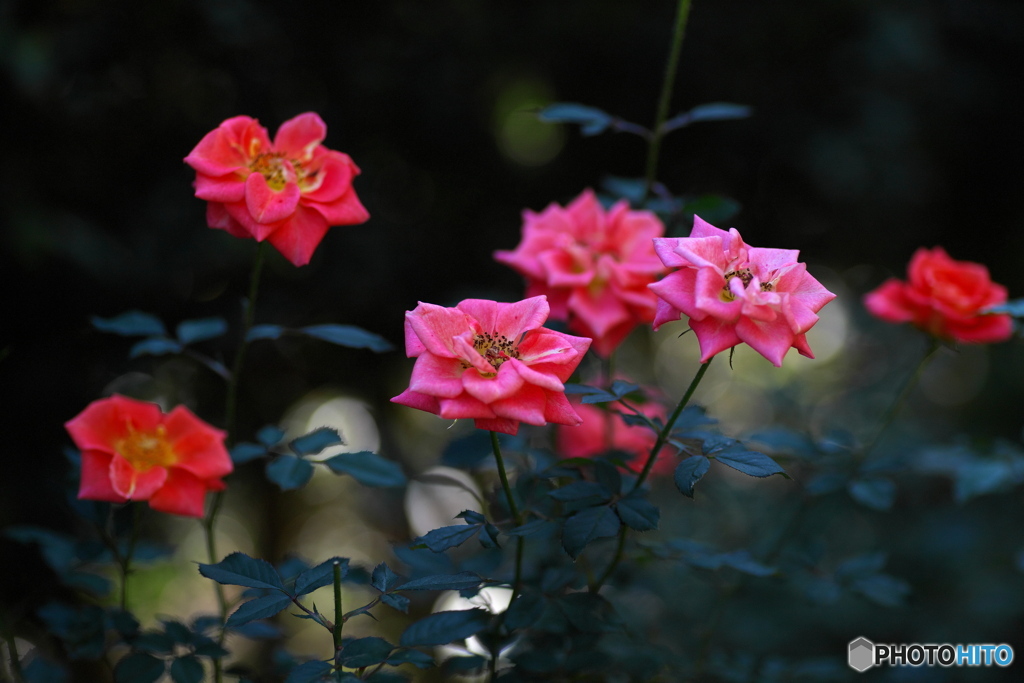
879, 127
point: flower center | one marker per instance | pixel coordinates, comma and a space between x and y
145, 450
271, 166
743, 274
496, 349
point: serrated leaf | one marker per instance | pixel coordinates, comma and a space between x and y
873, 492
441, 628
138, 667
319, 576
591, 119
418, 659
348, 335
587, 526
315, 441
749, 462
439, 540
270, 435
154, 346
362, 652
238, 569
289, 472
443, 582
580, 491
201, 329
264, 332
383, 579
368, 468
472, 517
258, 608
689, 472
247, 452
638, 514
398, 602
131, 324
311, 672
187, 669
532, 528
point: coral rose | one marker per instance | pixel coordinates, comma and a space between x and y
944, 298
131, 450
734, 293
492, 362
593, 265
592, 437
289, 191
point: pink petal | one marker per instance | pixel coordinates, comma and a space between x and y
267, 205
299, 136
889, 302
601, 312
565, 269
468, 353
239, 212
182, 494
664, 312
217, 216
498, 424
298, 237
95, 479
437, 376
559, 411
677, 289
229, 148
333, 178
771, 340
436, 327
546, 346
345, 210
226, 188
504, 384
707, 296
507, 320
701, 228
198, 447
714, 336
419, 401
133, 484
545, 380
526, 406
106, 421
464, 406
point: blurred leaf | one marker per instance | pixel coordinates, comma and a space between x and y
873, 492
581, 491
192, 331
264, 332
587, 526
637, 513
444, 582
154, 346
415, 657
258, 608
311, 672
383, 579
782, 440
472, 517
591, 119
289, 472
439, 540
630, 189
41, 670
138, 667
57, 549
468, 451
187, 669
714, 111
82, 629
441, 628
1014, 307
155, 642
750, 462
131, 324
525, 610
348, 335
589, 612
583, 389
742, 560
238, 569
362, 652
608, 475
246, 452
882, 589
319, 576
315, 441
369, 469
532, 528
258, 630
689, 472
398, 602
711, 207
861, 565
270, 435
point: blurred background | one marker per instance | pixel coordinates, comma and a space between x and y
878, 127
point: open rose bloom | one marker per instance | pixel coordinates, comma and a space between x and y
131, 450
289, 191
734, 293
491, 362
603, 431
944, 298
593, 265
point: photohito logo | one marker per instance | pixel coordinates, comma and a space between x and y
862, 654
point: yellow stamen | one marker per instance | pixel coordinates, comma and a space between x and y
146, 450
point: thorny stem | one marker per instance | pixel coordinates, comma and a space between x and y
230, 418
513, 508
653, 147
339, 616
658, 444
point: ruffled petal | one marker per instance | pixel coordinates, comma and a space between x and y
182, 494
299, 236
107, 421
501, 385
437, 376
267, 205
198, 447
133, 484
436, 327
298, 137
95, 481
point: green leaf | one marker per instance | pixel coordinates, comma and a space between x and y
587, 526
873, 492
154, 346
187, 669
258, 608
348, 335
246, 452
383, 579
525, 610
443, 582
714, 111
311, 672
589, 612
531, 528
315, 441
192, 331
580, 491
638, 514
289, 473
712, 208
319, 576
398, 602
131, 324
365, 652
368, 468
238, 569
138, 667
270, 435
256, 630
689, 472
415, 657
439, 540
592, 119
444, 627
882, 589
750, 462
264, 332
741, 560
1014, 307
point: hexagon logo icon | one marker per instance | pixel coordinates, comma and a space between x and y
861, 654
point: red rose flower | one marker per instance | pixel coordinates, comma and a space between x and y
945, 298
131, 450
592, 437
289, 191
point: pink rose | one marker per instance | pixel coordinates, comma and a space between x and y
289, 191
944, 298
131, 450
734, 293
592, 437
593, 265
491, 362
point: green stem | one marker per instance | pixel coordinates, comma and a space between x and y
658, 444
339, 615
653, 148
514, 509
125, 561
16, 671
